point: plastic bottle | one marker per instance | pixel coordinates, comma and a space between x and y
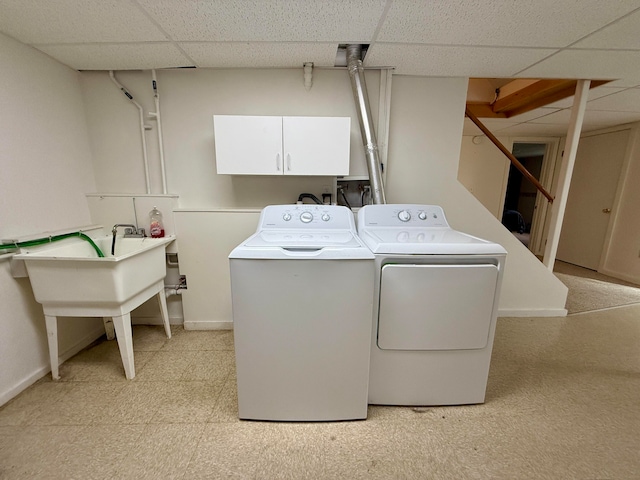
156, 227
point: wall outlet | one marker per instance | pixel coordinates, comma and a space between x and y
326, 189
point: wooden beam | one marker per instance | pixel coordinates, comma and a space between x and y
516, 163
523, 95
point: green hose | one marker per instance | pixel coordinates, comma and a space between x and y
55, 238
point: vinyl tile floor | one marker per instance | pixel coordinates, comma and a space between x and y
563, 402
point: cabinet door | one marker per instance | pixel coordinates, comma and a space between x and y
316, 145
248, 145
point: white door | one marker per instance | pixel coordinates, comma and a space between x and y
248, 145
436, 307
316, 145
591, 195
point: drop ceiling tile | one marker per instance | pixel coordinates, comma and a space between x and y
533, 114
622, 34
591, 117
539, 23
453, 61
260, 55
76, 21
627, 82
597, 92
268, 20
139, 56
535, 130
624, 101
594, 64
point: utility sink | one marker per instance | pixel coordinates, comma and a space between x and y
70, 280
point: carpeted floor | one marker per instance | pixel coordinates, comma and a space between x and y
590, 290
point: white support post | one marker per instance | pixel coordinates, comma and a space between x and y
566, 171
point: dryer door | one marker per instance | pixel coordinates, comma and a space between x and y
436, 307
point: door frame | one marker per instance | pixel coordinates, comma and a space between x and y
542, 209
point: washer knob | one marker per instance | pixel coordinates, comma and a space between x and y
286, 217
306, 217
325, 217
404, 216
422, 216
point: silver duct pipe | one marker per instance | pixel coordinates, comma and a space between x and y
359, 87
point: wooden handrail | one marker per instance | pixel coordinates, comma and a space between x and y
509, 155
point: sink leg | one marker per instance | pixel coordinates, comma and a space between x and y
52, 337
122, 325
108, 328
162, 300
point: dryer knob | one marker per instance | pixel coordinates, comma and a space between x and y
422, 216
325, 217
306, 217
404, 216
286, 217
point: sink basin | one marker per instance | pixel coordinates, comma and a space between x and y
68, 275
69, 279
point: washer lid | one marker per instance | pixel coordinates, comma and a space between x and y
417, 230
430, 241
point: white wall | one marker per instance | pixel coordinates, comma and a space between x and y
426, 129
622, 251
621, 254
189, 99
46, 170
484, 171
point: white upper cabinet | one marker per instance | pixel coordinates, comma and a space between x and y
248, 145
269, 145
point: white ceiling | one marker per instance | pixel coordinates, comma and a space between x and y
594, 39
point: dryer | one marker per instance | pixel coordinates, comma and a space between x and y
302, 298
435, 307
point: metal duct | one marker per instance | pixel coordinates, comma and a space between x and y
359, 87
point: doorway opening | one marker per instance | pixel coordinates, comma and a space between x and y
521, 197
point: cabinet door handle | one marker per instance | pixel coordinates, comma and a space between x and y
278, 161
288, 161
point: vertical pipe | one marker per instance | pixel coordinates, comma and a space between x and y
359, 87
156, 114
566, 170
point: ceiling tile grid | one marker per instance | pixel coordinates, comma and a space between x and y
76, 21
448, 61
268, 20
539, 23
587, 64
596, 39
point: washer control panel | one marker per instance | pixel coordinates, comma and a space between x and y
306, 216
424, 216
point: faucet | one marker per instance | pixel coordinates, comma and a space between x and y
129, 231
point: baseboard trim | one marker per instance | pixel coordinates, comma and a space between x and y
155, 320
548, 312
208, 325
620, 276
45, 369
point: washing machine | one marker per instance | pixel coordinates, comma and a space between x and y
435, 307
302, 298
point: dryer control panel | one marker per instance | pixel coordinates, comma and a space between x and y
407, 215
